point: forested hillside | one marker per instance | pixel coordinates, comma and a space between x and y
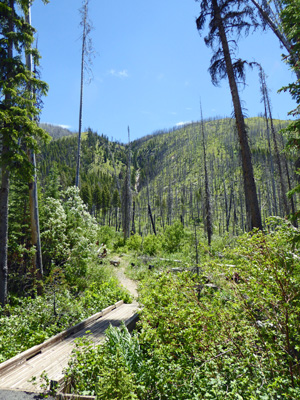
168, 173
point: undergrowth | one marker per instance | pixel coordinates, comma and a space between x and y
230, 332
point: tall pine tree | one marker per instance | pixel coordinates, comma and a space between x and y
17, 111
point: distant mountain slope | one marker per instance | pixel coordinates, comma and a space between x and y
171, 173
56, 131
168, 173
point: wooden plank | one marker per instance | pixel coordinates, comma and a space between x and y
25, 355
54, 357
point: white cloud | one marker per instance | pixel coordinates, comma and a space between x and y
183, 123
65, 126
119, 74
62, 126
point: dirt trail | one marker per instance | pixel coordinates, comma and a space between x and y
129, 284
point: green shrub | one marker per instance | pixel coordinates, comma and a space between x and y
173, 237
108, 370
134, 242
107, 234
152, 244
241, 338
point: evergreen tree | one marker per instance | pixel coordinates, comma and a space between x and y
17, 111
52, 185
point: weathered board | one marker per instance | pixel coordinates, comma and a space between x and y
53, 355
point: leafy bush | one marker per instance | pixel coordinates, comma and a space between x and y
107, 234
152, 244
69, 235
134, 242
241, 341
173, 237
238, 339
108, 370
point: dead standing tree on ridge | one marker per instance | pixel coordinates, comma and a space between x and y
87, 54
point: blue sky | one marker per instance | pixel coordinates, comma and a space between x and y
150, 67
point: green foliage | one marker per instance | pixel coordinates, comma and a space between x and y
107, 235
134, 242
106, 371
240, 341
176, 182
69, 235
152, 244
231, 332
173, 237
18, 109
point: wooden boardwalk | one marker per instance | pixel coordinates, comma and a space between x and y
53, 355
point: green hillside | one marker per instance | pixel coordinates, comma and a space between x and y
169, 166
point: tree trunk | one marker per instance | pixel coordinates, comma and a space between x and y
83, 53
127, 198
268, 110
4, 231
133, 219
149, 208
33, 197
271, 164
80, 113
4, 191
253, 210
207, 191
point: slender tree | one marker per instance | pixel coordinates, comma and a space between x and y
85, 74
17, 112
126, 195
208, 214
268, 116
149, 206
290, 16
227, 16
33, 195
